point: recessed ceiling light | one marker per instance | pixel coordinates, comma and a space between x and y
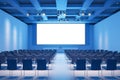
83, 14
43, 14
28, 14
64, 14
89, 14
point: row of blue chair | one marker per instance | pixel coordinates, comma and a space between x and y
92, 54
111, 65
96, 64
47, 54
27, 64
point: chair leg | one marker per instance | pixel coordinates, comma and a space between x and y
98, 73
112, 73
24, 73
48, 69
21, 73
35, 72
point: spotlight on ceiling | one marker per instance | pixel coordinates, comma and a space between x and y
83, 14
89, 14
44, 17
61, 15
64, 14
28, 14
43, 14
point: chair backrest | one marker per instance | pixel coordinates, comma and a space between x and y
111, 64
27, 64
2, 59
81, 64
41, 64
11, 64
0, 65
96, 64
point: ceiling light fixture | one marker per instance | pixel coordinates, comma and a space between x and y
89, 14
64, 14
43, 14
83, 14
28, 14
61, 15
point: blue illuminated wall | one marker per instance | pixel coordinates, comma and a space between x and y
107, 33
32, 40
13, 33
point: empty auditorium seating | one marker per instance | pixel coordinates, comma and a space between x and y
103, 63
81, 64
11, 64
27, 58
41, 64
111, 64
27, 54
27, 64
92, 54
96, 64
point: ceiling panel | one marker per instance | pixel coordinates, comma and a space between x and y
87, 11
25, 3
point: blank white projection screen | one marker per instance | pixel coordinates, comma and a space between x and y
61, 34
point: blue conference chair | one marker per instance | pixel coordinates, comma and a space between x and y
27, 65
41, 64
96, 65
11, 65
81, 64
111, 65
